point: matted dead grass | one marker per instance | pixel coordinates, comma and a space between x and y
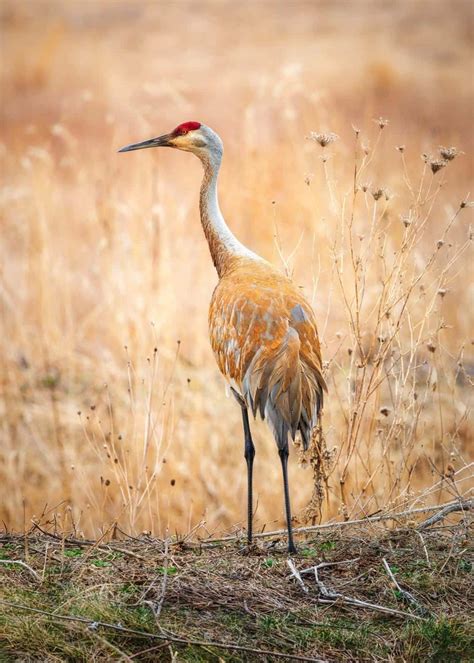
380, 594
102, 259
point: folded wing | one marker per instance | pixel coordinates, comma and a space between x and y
265, 340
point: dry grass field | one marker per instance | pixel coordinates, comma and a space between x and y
112, 411
122, 477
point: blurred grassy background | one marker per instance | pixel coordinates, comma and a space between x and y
102, 258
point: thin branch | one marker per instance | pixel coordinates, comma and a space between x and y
329, 595
407, 596
157, 606
323, 564
346, 523
448, 508
82, 543
25, 566
296, 574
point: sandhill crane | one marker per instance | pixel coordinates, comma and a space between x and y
262, 329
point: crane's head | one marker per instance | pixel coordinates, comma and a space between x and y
189, 136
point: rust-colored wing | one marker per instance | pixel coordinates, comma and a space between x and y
264, 336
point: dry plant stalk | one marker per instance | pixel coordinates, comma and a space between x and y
394, 367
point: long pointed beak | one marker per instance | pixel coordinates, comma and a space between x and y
160, 141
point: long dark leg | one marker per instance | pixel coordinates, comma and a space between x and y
283, 453
249, 456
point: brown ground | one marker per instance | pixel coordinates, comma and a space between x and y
191, 600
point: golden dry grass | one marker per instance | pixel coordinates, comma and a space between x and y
103, 260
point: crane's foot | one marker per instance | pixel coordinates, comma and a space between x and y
292, 549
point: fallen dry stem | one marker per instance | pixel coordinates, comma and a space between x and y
331, 596
445, 511
453, 506
408, 596
24, 565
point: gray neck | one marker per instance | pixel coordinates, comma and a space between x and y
223, 244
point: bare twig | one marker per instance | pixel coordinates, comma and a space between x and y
82, 543
425, 550
24, 565
295, 573
346, 523
331, 596
156, 606
323, 564
407, 596
446, 510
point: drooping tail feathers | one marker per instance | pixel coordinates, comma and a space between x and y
286, 388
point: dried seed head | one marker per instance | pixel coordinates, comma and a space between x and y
449, 153
439, 243
366, 148
364, 187
437, 164
449, 474
431, 346
466, 203
385, 411
323, 138
381, 191
406, 219
442, 292
381, 121
356, 130
308, 178
400, 148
